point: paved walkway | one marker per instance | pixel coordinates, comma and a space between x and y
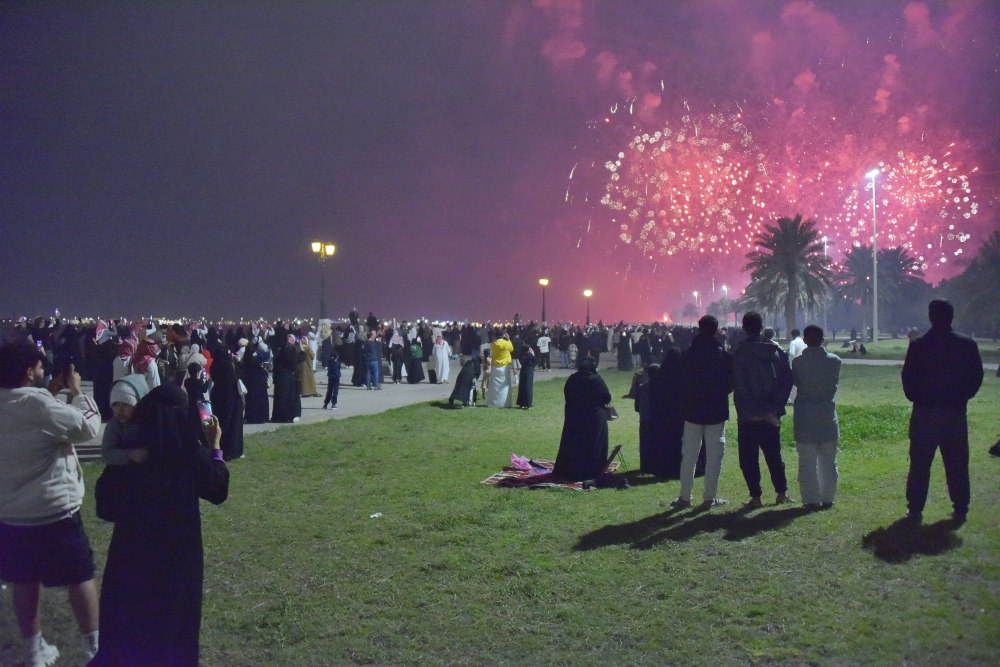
352, 401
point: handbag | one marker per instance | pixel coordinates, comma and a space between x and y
611, 412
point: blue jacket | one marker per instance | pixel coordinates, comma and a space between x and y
333, 371
373, 351
763, 379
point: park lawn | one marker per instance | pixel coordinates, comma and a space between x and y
456, 572
895, 349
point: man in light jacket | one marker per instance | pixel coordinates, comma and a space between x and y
42, 540
763, 380
816, 374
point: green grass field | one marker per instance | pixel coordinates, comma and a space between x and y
456, 572
895, 349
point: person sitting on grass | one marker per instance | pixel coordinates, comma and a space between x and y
816, 374
583, 448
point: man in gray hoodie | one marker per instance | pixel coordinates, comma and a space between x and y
763, 381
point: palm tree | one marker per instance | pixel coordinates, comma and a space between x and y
898, 273
976, 291
690, 311
789, 265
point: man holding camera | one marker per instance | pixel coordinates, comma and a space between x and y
42, 540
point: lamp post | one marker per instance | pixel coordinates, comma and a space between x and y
725, 320
825, 294
588, 293
324, 250
695, 299
872, 174
544, 283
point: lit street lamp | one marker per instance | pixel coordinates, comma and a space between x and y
544, 283
324, 250
872, 174
695, 299
588, 293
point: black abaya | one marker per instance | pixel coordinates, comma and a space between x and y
255, 379
286, 391
526, 381
104, 376
227, 404
625, 352
151, 592
583, 448
660, 444
465, 382
358, 373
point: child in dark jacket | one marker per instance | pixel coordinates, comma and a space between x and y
333, 382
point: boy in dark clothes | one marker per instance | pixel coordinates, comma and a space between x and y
333, 382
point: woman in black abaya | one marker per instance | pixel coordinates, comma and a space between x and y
255, 378
287, 403
625, 352
465, 383
526, 379
358, 373
660, 445
227, 404
583, 448
152, 588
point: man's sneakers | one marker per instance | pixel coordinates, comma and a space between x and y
783, 498
90, 644
995, 449
39, 653
680, 503
916, 518
714, 502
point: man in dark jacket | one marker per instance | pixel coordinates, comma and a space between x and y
373, 360
763, 381
942, 371
707, 375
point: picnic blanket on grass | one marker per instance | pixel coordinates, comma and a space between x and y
538, 477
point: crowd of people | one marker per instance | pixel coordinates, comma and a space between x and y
175, 398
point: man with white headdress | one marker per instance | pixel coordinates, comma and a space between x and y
313, 342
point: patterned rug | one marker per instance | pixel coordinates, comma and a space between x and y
538, 477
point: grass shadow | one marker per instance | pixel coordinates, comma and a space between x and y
903, 539
445, 405
628, 533
678, 526
637, 478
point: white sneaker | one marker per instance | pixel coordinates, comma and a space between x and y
41, 654
90, 644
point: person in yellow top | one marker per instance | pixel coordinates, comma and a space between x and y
500, 395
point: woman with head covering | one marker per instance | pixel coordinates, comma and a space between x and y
583, 448
413, 352
151, 592
103, 368
442, 360
661, 454
526, 381
625, 362
227, 404
465, 384
255, 379
307, 376
287, 402
144, 362
358, 373
396, 345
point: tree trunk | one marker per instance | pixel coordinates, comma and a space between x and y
790, 304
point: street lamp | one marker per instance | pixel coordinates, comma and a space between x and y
544, 283
725, 320
872, 174
324, 250
588, 293
695, 299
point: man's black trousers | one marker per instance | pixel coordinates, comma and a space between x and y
932, 428
752, 437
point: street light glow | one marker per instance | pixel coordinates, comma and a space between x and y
330, 249
873, 173
316, 245
543, 282
588, 293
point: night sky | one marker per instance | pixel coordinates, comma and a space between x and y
176, 159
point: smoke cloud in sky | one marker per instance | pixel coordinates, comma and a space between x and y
165, 158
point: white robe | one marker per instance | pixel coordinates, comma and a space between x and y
442, 364
500, 394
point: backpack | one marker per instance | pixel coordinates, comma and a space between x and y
416, 350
